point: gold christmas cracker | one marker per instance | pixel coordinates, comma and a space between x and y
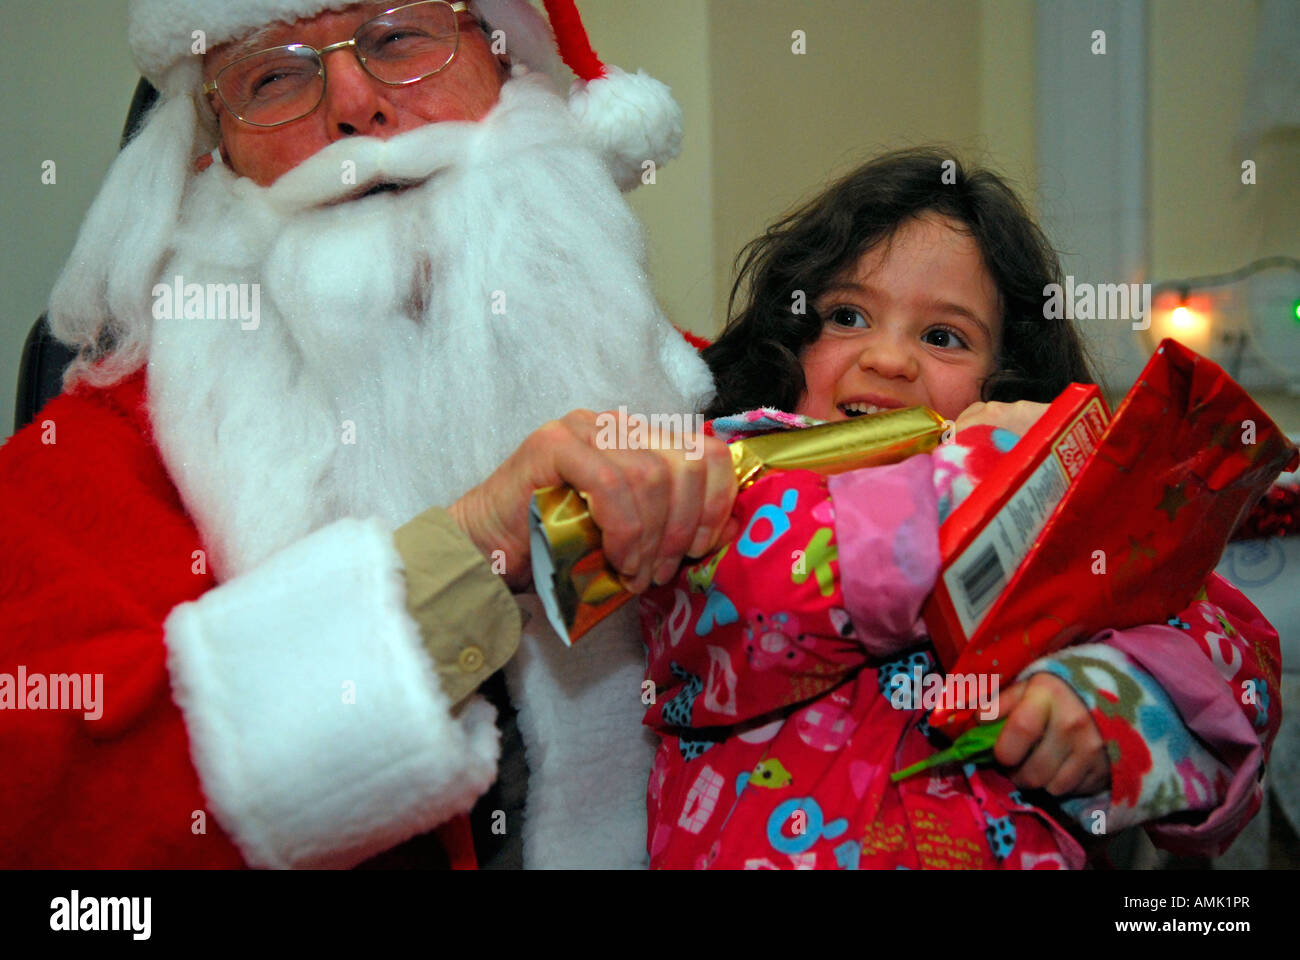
841, 446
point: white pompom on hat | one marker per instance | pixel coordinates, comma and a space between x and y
629, 118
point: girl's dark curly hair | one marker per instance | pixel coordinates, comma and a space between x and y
756, 359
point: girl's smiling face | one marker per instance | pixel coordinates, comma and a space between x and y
916, 321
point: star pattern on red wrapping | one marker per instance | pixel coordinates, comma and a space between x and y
1174, 499
1138, 549
1222, 435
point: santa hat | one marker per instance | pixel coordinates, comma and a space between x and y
628, 118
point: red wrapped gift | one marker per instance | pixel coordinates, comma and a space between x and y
1137, 529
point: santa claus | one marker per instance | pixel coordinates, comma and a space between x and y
290, 539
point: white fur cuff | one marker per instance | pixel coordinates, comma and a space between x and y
316, 722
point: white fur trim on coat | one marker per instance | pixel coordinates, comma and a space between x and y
263, 669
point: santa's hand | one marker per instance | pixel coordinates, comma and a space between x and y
653, 507
1050, 740
1015, 417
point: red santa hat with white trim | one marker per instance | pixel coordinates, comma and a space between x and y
628, 118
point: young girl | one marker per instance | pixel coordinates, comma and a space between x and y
775, 659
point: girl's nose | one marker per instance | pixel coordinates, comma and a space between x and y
354, 104
889, 357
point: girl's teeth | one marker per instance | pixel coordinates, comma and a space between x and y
861, 408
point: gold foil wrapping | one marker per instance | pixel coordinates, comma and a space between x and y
839, 447
577, 587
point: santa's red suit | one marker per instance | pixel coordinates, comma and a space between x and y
87, 583
104, 573
88, 580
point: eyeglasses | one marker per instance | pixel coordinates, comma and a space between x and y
399, 47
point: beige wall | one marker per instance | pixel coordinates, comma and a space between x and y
1006, 92
877, 74
670, 40
764, 127
1204, 220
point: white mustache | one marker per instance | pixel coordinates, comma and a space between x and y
349, 168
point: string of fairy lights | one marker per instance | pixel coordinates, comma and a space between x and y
1189, 318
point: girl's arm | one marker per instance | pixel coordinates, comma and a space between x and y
825, 574
1188, 710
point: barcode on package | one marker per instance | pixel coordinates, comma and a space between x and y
983, 579
977, 577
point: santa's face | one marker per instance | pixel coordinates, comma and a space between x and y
354, 102
407, 342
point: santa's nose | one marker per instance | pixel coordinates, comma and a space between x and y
355, 102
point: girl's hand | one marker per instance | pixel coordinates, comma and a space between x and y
1016, 417
1050, 739
653, 507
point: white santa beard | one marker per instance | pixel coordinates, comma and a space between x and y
379, 322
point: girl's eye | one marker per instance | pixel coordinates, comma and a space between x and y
943, 337
848, 317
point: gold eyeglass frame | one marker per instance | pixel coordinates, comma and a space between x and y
213, 86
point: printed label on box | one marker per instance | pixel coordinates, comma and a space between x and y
1081, 439
977, 577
